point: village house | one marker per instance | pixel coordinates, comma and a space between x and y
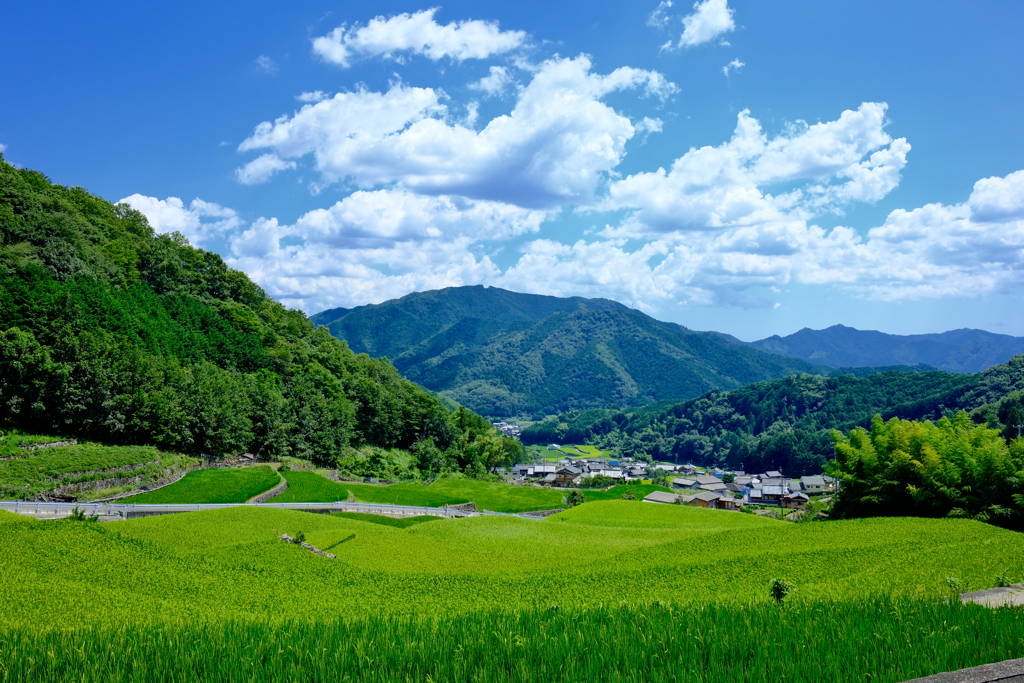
771, 495
795, 501
816, 484
680, 483
718, 486
567, 476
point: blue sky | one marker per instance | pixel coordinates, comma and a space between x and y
749, 167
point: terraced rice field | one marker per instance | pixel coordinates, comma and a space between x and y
309, 487
213, 486
669, 593
82, 470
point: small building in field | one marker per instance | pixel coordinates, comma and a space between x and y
661, 497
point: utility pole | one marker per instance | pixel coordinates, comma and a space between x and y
1018, 428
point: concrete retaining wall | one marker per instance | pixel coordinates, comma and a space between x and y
1010, 671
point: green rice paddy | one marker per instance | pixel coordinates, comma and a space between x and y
309, 487
611, 590
213, 486
878, 640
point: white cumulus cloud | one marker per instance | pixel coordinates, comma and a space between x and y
709, 20
372, 246
416, 33
260, 169
734, 65
713, 188
998, 199
199, 222
557, 144
495, 83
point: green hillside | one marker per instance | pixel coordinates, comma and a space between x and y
213, 486
502, 353
111, 332
785, 423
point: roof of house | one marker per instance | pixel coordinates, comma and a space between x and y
715, 487
773, 474
706, 496
660, 497
813, 480
568, 469
734, 487
685, 483
795, 496
774, 491
706, 479
550, 477
774, 481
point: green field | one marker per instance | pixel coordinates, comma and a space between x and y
228, 562
615, 492
28, 474
309, 487
665, 592
568, 450
213, 486
883, 641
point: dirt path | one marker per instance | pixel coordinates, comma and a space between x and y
996, 597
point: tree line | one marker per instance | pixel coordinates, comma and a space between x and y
111, 332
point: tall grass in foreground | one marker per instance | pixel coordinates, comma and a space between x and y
876, 640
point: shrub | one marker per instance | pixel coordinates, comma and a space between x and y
779, 589
574, 498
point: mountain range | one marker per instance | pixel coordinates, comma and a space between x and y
503, 353
963, 350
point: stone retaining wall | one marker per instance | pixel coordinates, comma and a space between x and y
543, 513
277, 490
51, 444
172, 478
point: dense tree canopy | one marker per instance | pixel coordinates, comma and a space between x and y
948, 468
785, 424
109, 331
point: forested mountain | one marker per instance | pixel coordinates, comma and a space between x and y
956, 351
503, 353
784, 424
109, 331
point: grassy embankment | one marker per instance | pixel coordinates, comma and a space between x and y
472, 599
82, 471
213, 486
